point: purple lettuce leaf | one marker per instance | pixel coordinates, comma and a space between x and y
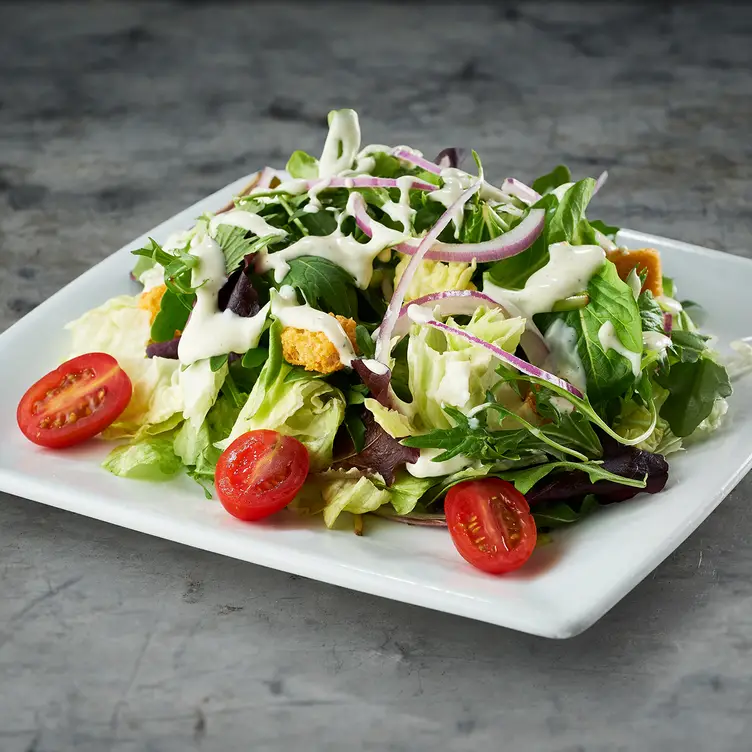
167, 349
380, 454
629, 462
377, 383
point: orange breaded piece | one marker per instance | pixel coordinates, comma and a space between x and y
151, 300
643, 259
313, 350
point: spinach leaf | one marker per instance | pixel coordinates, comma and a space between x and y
255, 358
324, 285
364, 341
217, 361
568, 222
694, 387
302, 166
172, 317
688, 346
651, 316
558, 176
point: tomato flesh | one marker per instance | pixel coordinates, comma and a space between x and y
490, 524
260, 473
75, 402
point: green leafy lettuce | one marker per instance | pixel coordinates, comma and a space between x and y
293, 402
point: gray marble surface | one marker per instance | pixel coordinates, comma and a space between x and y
115, 116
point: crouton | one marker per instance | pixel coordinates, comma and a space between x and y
151, 300
644, 260
313, 350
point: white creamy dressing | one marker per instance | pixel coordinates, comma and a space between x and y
634, 283
364, 162
343, 250
178, 240
568, 272
425, 467
455, 182
152, 278
286, 309
656, 342
247, 221
564, 359
454, 387
420, 314
209, 331
375, 366
610, 341
342, 143
400, 211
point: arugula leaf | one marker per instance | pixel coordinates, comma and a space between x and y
174, 310
694, 387
526, 478
607, 372
324, 285
568, 222
178, 266
302, 166
609, 231
558, 176
236, 246
651, 315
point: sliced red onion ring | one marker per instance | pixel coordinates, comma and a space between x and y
517, 188
449, 303
407, 156
518, 239
465, 303
602, 178
668, 322
511, 360
266, 177
383, 340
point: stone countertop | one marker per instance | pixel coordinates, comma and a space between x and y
115, 116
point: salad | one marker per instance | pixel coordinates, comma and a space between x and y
374, 332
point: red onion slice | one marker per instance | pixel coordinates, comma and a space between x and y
511, 360
407, 156
518, 239
383, 340
668, 322
517, 188
602, 178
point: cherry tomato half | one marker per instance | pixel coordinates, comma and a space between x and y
260, 473
490, 524
74, 402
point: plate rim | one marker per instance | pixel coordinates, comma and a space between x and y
559, 625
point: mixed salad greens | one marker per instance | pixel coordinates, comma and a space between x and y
375, 332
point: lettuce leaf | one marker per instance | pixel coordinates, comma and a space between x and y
448, 371
306, 407
152, 459
435, 276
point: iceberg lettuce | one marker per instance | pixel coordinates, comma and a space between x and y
293, 402
435, 276
448, 371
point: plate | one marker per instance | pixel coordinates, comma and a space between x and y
565, 587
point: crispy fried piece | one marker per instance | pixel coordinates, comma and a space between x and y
644, 259
151, 300
313, 350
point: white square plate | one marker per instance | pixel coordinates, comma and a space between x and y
565, 587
